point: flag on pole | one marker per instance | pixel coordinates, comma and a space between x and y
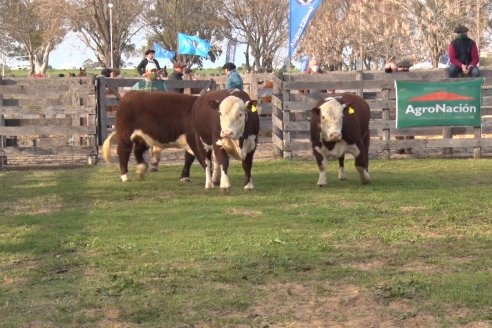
160, 52
301, 12
304, 63
191, 45
231, 51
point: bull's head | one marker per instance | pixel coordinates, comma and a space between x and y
233, 115
331, 119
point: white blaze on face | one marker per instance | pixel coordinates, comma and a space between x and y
232, 117
331, 120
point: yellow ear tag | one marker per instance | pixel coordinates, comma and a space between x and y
351, 110
253, 108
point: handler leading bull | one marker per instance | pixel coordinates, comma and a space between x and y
338, 126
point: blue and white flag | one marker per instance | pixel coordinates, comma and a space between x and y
304, 63
160, 52
301, 12
231, 51
191, 45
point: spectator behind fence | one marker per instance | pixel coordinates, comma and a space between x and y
150, 83
149, 58
177, 75
234, 80
313, 67
463, 55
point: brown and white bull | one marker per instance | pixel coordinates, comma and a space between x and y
227, 123
159, 119
338, 126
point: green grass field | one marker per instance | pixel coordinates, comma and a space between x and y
78, 248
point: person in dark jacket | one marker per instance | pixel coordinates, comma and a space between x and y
177, 74
463, 55
149, 58
234, 80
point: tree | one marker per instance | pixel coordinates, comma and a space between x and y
91, 19
193, 17
260, 24
37, 26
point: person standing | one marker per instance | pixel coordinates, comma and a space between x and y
149, 58
177, 75
234, 80
463, 54
150, 83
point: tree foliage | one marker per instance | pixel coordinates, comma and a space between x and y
91, 18
260, 24
345, 33
36, 25
193, 17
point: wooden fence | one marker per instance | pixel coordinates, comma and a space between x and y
47, 121
258, 86
295, 94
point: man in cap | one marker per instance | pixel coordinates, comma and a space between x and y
149, 58
463, 55
234, 81
150, 83
177, 74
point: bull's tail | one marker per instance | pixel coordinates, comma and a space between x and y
106, 148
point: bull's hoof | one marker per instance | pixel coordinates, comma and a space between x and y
321, 185
154, 168
225, 191
185, 179
249, 186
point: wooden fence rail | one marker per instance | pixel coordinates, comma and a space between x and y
295, 94
47, 121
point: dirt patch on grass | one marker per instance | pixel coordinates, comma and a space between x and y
245, 212
323, 304
34, 206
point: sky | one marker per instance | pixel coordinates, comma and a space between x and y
72, 52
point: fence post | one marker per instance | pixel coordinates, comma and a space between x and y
287, 117
3, 139
102, 115
386, 132
447, 133
477, 151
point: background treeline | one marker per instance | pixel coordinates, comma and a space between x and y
343, 33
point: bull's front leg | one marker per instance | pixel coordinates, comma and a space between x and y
247, 166
341, 168
185, 172
215, 171
321, 161
362, 164
208, 170
223, 163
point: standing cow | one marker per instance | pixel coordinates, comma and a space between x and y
338, 126
227, 123
159, 119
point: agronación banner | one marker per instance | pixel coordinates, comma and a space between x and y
301, 12
438, 103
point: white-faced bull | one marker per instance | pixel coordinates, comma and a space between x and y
227, 123
338, 126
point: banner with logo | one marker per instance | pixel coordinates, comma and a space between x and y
191, 45
231, 51
301, 12
160, 52
438, 103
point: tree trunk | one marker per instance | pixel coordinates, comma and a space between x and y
41, 59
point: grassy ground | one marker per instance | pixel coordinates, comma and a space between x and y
413, 249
